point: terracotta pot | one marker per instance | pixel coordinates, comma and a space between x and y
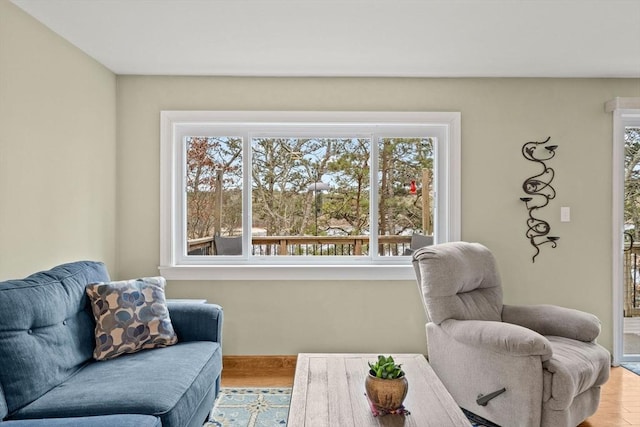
386, 394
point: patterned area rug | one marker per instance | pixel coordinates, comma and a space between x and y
250, 407
267, 407
632, 366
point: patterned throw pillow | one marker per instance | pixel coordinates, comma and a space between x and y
131, 315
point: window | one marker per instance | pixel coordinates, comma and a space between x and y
626, 134
305, 195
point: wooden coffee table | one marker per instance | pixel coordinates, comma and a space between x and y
328, 390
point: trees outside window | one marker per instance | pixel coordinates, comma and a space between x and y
214, 176
309, 187
632, 181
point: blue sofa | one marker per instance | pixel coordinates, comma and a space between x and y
48, 376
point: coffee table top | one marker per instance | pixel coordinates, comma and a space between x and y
328, 390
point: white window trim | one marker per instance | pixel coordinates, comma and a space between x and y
626, 112
285, 268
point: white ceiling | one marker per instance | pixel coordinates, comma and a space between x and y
411, 38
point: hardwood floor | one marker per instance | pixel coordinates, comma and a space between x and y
258, 371
619, 402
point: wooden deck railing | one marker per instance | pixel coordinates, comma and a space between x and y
310, 245
631, 271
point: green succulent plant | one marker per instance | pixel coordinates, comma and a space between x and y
386, 368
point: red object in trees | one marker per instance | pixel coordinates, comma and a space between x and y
413, 188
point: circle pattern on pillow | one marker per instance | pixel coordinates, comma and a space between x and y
131, 315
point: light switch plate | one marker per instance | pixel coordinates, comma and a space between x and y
565, 214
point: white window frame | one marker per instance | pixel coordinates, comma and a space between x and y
174, 125
626, 112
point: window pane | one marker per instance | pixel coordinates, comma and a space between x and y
214, 195
405, 194
310, 196
632, 181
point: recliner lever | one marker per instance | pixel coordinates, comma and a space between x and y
482, 400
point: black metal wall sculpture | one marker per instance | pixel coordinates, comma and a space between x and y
540, 192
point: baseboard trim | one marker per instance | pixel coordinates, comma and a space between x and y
259, 364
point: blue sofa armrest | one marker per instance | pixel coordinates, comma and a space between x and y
196, 321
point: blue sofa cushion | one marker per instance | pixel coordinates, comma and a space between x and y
167, 382
46, 333
101, 421
131, 315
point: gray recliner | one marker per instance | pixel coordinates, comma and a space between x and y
536, 365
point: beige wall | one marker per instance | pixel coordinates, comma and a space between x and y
57, 150
64, 182
498, 117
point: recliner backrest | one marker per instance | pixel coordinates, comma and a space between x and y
459, 280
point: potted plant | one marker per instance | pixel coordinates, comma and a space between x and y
386, 384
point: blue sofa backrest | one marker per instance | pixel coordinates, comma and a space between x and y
46, 330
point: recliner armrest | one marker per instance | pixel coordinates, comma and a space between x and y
554, 320
500, 337
196, 321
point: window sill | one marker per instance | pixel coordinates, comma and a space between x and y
288, 272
